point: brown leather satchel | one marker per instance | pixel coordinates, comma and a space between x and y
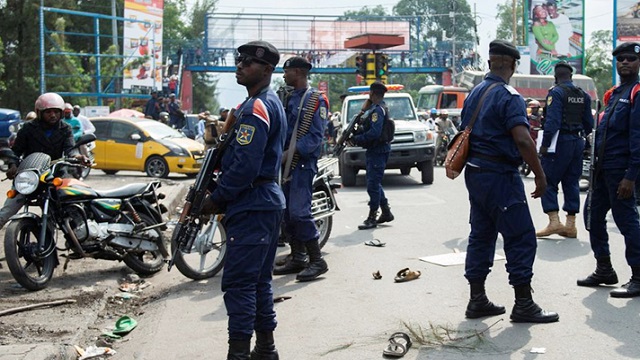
458, 149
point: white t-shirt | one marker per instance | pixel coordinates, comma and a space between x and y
565, 31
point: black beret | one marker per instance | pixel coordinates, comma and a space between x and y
261, 50
378, 88
627, 48
563, 64
297, 62
503, 47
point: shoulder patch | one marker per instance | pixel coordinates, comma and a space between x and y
323, 112
511, 89
549, 100
374, 117
260, 111
245, 134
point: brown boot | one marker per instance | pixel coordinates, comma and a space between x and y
569, 230
554, 226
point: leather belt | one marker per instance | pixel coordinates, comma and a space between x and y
498, 159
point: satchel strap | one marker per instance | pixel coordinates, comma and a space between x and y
482, 98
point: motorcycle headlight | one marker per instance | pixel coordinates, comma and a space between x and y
13, 128
26, 182
420, 136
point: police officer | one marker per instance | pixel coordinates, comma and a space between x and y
617, 149
307, 113
176, 116
499, 141
568, 113
377, 155
248, 193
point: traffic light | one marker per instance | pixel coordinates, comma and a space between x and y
382, 67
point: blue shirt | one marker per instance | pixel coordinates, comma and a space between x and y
254, 154
555, 109
622, 127
502, 110
308, 147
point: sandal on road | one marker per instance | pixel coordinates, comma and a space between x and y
407, 274
399, 344
375, 242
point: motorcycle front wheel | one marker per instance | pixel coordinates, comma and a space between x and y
29, 269
148, 262
206, 257
324, 229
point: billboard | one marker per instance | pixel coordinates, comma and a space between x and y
142, 45
627, 21
555, 33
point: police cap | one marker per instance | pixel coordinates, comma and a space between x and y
297, 62
563, 64
627, 48
378, 88
503, 47
261, 50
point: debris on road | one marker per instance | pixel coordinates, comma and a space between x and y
36, 306
93, 351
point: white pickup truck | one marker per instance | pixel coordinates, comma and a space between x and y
413, 144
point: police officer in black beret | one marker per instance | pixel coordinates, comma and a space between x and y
499, 141
377, 155
617, 149
307, 112
568, 116
253, 204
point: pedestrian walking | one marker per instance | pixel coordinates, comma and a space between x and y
568, 116
499, 142
248, 192
617, 149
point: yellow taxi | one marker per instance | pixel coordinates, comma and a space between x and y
144, 145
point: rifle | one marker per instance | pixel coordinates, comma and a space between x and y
592, 166
341, 143
190, 221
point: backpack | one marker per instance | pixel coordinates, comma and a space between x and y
388, 129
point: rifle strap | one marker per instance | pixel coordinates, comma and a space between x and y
300, 129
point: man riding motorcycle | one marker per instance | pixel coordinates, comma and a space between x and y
46, 134
444, 126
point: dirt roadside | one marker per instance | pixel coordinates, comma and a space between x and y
51, 332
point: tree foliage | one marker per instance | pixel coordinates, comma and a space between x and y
598, 59
505, 22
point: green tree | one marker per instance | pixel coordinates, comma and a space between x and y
598, 60
505, 22
70, 75
2, 86
379, 11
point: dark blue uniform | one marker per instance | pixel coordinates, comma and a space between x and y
496, 192
565, 164
176, 119
254, 204
377, 154
299, 222
620, 160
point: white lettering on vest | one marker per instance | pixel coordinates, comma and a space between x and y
576, 100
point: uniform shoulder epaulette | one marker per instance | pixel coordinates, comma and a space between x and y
511, 89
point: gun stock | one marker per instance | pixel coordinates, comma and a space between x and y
228, 123
592, 167
341, 143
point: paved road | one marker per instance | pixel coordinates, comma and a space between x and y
348, 315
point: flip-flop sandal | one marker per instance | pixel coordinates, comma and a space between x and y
399, 344
407, 275
124, 325
375, 242
376, 275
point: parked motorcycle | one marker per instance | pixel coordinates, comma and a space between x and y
123, 224
205, 257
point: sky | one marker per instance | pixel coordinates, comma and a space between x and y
599, 16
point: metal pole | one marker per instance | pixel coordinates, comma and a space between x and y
453, 39
114, 36
42, 40
96, 23
515, 28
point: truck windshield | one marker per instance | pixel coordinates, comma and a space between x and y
399, 108
427, 101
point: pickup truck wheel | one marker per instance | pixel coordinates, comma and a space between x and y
426, 168
405, 170
348, 175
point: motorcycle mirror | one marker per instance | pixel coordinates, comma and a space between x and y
85, 139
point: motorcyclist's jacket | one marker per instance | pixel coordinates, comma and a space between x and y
55, 142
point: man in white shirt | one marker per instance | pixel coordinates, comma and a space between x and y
563, 27
87, 126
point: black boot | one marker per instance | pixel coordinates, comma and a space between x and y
526, 310
239, 350
479, 305
604, 274
265, 347
317, 265
630, 289
370, 222
386, 215
296, 263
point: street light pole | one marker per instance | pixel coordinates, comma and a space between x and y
515, 28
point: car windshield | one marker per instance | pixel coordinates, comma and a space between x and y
399, 108
159, 130
427, 101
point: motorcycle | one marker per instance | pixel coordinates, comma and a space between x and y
204, 258
123, 224
441, 152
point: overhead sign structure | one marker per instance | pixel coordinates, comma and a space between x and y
143, 45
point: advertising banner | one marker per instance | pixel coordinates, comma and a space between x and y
142, 46
555, 33
627, 21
